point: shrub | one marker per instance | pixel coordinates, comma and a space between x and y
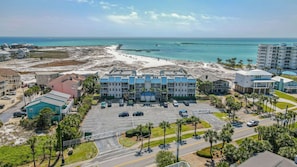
131, 133
1, 123
203, 153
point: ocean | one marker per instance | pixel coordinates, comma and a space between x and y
190, 49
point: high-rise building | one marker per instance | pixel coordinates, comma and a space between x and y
277, 56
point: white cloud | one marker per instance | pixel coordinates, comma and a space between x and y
85, 1
121, 19
107, 5
155, 16
213, 17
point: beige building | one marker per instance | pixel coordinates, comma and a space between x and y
12, 77
219, 86
2, 86
43, 78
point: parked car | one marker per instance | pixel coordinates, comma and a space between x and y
175, 104
2, 106
19, 114
11, 93
109, 104
103, 104
186, 103
252, 123
121, 103
138, 113
124, 114
183, 113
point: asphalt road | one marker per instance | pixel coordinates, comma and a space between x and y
130, 159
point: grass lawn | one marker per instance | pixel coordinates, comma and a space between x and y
157, 132
221, 115
283, 105
49, 54
267, 108
206, 151
285, 96
170, 139
126, 141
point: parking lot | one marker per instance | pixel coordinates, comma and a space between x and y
107, 119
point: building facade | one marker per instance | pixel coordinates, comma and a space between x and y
70, 84
147, 87
43, 78
285, 84
254, 81
219, 86
59, 103
277, 56
12, 77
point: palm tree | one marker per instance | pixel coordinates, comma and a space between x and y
253, 96
229, 152
226, 134
50, 143
140, 129
246, 100
196, 121
32, 143
260, 130
149, 126
211, 136
179, 124
164, 125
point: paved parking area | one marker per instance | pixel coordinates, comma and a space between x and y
105, 120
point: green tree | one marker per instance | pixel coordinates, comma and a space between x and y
43, 120
90, 83
164, 125
211, 136
164, 158
205, 87
230, 153
32, 143
50, 143
288, 152
226, 134
150, 127
195, 121
140, 130
222, 164
254, 96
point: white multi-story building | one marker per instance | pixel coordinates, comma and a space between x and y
277, 56
254, 81
147, 87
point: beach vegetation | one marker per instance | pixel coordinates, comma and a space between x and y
165, 158
54, 54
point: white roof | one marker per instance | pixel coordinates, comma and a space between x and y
278, 78
81, 72
254, 72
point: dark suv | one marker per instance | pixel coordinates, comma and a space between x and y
109, 103
121, 103
138, 113
19, 114
124, 114
183, 113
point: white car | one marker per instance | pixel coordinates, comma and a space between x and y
175, 104
252, 123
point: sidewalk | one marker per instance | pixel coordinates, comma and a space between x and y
137, 145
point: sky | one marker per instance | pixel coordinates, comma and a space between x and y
149, 18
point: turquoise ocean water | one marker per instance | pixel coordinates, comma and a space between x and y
193, 49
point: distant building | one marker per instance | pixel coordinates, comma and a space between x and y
12, 77
219, 86
60, 103
277, 56
22, 53
70, 83
285, 84
253, 81
43, 78
119, 83
2, 86
4, 56
267, 159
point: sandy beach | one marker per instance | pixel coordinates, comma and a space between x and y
103, 59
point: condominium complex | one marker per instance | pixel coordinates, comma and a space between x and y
119, 83
280, 56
